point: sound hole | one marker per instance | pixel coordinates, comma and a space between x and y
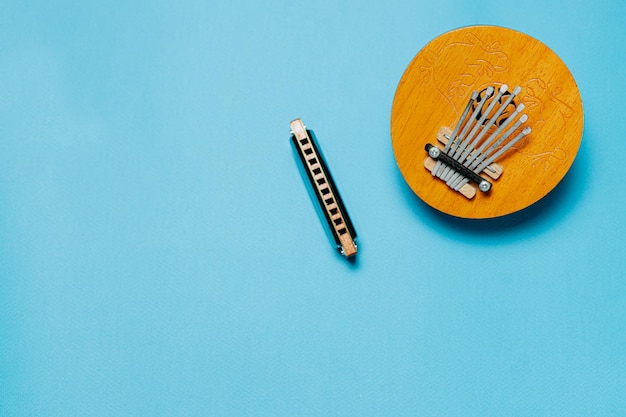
510, 108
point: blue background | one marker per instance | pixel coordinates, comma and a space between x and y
160, 256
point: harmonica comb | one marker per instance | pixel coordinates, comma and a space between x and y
322, 186
489, 126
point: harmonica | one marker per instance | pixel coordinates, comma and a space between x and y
323, 187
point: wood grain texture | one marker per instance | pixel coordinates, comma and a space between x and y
434, 90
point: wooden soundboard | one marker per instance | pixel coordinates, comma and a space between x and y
433, 93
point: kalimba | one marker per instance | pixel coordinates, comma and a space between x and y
469, 145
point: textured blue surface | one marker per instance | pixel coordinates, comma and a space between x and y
159, 255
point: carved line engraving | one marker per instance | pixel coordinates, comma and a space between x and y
479, 67
538, 96
480, 70
545, 159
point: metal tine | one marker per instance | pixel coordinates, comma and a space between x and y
495, 156
498, 113
460, 182
446, 171
455, 153
483, 131
469, 137
461, 137
502, 150
452, 138
479, 152
455, 180
467, 122
486, 113
497, 143
501, 140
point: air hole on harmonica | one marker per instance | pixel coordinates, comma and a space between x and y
338, 221
329, 201
317, 171
334, 211
342, 231
312, 161
304, 141
321, 181
308, 151
325, 191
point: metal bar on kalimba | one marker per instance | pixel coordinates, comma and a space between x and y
483, 131
486, 127
499, 142
493, 157
482, 118
475, 155
456, 150
502, 150
494, 146
444, 169
456, 130
491, 122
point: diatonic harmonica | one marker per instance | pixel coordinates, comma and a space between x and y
323, 186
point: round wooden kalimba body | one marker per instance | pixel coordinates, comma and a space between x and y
435, 89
